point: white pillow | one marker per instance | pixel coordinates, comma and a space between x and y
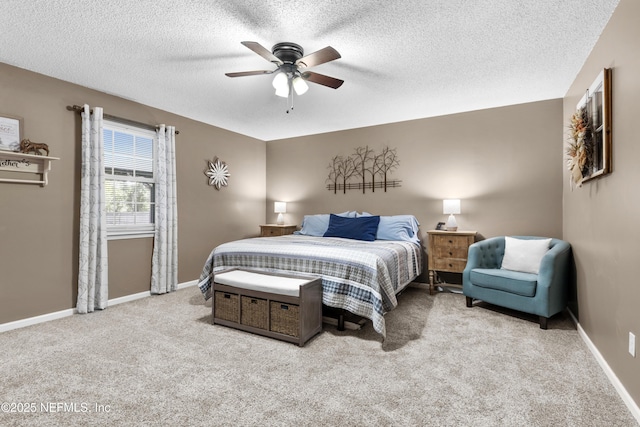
524, 255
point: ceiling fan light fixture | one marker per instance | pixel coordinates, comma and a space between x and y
300, 86
281, 82
283, 91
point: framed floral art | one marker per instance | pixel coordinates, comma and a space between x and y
589, 148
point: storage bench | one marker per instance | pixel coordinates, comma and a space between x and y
288, 308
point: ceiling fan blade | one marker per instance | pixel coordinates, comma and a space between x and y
248, 73
321, 79
319, 57
262, 51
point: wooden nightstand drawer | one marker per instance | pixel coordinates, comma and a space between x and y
270, 230
451, 241
451, 252
449, 264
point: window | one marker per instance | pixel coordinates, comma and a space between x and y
596, 106
129, 180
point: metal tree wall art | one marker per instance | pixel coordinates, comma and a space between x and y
218, 173
370, 169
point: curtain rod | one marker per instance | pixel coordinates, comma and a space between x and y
79, 109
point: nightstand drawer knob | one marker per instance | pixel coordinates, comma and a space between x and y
450, 253
450, 241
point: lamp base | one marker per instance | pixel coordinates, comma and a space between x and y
451, 224
280, 220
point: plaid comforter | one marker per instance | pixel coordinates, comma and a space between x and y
360, 277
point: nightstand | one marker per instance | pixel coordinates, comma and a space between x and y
448, 252
269, 230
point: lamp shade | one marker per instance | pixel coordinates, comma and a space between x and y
299, 85
451, 206
281, 84
280, 207
280, 81
283, 91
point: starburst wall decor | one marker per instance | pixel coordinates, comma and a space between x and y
218, 173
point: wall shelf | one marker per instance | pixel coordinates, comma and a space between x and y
11, 161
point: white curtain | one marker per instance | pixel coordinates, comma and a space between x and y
92, 273
164, 265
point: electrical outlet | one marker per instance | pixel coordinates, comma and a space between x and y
632, 344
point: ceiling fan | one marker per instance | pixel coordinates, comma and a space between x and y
291, 67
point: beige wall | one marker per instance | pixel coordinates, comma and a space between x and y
503, 164
38, 226
600, 218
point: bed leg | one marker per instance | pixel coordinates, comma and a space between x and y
341, 320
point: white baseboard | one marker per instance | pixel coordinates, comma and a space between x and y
127, 298
622, 392
187, 284
23, 323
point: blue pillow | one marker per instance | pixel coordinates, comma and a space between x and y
316, 225
396, 227
364, 228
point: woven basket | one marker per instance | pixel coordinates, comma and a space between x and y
254, 312
285, 318
226, 306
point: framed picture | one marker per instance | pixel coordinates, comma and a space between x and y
596, 107
10, 132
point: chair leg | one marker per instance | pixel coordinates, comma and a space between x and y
543, 322
469, 302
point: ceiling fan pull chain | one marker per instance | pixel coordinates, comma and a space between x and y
291, 97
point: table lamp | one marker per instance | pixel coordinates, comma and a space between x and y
451, 207
280, 208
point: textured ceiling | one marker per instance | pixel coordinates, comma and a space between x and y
401, 60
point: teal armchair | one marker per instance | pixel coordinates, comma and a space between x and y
543, 294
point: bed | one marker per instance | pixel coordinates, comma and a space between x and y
360, 276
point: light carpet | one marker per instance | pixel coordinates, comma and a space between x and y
159, 361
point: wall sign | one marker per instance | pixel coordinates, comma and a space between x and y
25, 163
10, 132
